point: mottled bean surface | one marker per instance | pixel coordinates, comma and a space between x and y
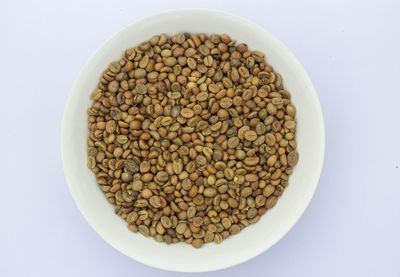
191, 137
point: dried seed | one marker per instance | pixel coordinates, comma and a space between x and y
271, 201
111, 126
177, 166
268, 190
197, 243
174, 94
198, 221
258, 56
245, 192
272, 160
243, 71
234, 229
126, 177
251, 161
202, 96
166, 222
250, 135
226, 222
291, 110
181, 228
210, 192
132, 217
270, 139
144, 167
290, 124
192, 64
251, 177
292, 158
155, 201
144, 230
180, 38
187, 113
162, 176
271, 109
146, 193
191, 212
137, 185
140, 73
113, 86
91, 162
227, 82
208, 61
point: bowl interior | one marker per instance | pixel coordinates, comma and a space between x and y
252, 240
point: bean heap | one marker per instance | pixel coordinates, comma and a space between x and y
191, 137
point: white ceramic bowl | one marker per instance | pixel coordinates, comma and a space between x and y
254, 239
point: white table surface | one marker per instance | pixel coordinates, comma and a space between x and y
351, 50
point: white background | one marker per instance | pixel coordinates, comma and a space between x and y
351, 50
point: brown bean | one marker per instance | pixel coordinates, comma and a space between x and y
250, 135
268, 190
251, 161
187, 113
271, 201
292, 158
210, 192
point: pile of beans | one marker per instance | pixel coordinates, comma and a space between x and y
191, 137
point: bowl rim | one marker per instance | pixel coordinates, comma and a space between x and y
240, 20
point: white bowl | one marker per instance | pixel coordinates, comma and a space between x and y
254, 239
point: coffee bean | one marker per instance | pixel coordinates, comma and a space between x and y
210, 192
250, 135
181, 228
